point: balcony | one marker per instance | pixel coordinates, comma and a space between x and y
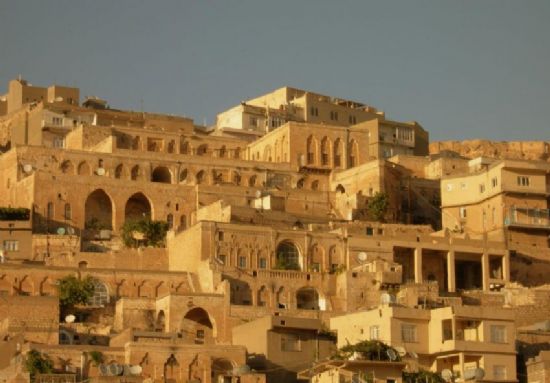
528, 218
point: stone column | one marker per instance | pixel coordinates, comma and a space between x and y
451, 277
418, 277
506, 266
485, 271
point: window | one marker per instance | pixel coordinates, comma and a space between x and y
334, 116
463, 213
482, 188
408, 333
449, 187
494, 182
499, 372
290, 342
222, 258
11, 245
58, 142
262, 264
523, 181
220, 235
314, 111
374, 332
57, 120
254, 121
242, 262
101, 294
352, 120
498, 334
49, 211
68, 213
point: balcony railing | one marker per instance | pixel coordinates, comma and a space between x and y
528, 217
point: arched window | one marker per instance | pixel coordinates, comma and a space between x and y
98, 210
325, 151
315, 185
353, 154
161, 174
120, 171
184, 147
222, 152
300, 183
183, 222
252, 181
136, 173
84, 169
311, 150
68, 213
200, 177
287, 256
50, 211
236, 178
307, 298
237, 153
183, 175
170, 221
67, 167
101, 294
337, 153
202, 150
137, 207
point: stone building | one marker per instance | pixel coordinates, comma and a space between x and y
268, 216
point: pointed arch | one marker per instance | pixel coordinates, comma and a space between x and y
137, 207
67, 167
161, 174
337, 153
312, 150
353, 153
325, 151
84, 169
121, 172
98, 210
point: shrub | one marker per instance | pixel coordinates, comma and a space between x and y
422, 376
38, 363
74, 291
377, 207
154, 233
368, 349
14, 214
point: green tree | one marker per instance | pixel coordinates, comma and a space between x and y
38, 363
377, 207
153, 232
368, 349
422, 376
74, 291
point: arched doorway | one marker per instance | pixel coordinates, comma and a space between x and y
287, 256
222, 370
161, 174
197, 327
137, 207
98, 211
307, 298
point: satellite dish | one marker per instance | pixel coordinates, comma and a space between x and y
479, 373
258, 194
385, 298
362, 256
447, 375
104, 370
136, 369
70, 318
474, 373
115, 369
413, 354
70, 230
391, 354
59, 99
61, 231
27, 168
100, 171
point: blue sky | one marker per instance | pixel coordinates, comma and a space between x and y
463, 69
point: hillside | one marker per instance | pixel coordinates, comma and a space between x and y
528, 150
